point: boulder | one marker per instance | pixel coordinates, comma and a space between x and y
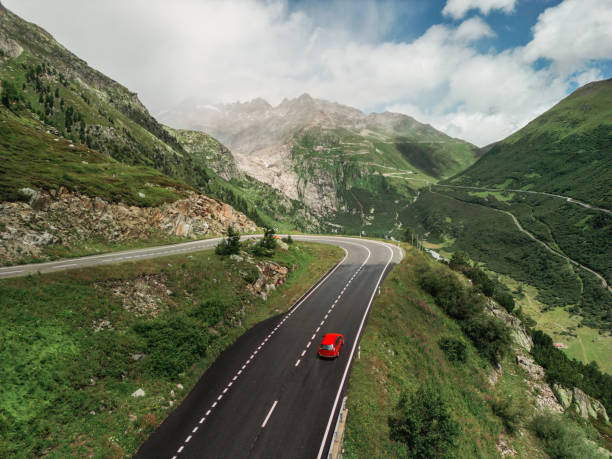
138, 393
564, 395
581, 403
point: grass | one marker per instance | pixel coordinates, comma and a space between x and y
400, 351
584, 343
33, 158
564, 151
66, 387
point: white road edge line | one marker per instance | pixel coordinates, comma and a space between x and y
269, 414
348, 363
298, 362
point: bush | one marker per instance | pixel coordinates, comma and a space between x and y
10, 94
509, 413
460, 260
210, 311
450, 294
454, 349
505, 299
231, 244
252, 275
562, 438
288, 239
423, 423
268, 241
173, 345
490, 336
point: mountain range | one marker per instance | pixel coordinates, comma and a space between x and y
318, 166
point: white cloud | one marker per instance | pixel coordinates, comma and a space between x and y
458, 8
219, 51
573, 33
473, 29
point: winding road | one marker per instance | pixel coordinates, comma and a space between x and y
550, 195
268, 395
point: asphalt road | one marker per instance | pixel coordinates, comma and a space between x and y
268, 395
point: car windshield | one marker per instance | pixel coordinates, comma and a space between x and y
327, 347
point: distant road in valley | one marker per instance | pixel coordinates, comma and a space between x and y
604, 283
558, 196
268, 395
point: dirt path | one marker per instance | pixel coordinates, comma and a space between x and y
558, 196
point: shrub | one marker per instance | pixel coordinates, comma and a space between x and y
252, 275
10, 94
231, 244
450, 294
423, 423
209, 311
173, 344
288, 239
268, 241
454, 349
509, 413
505, 299
562, 438
460, 260
490, 336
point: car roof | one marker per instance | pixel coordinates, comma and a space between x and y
330, 338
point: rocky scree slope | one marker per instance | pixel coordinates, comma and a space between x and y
265, 204
344, 165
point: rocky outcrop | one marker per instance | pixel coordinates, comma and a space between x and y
144, 296
271, 275
584, 405
63, 218
520, 337
544, 396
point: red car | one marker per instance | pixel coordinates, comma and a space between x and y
330, 346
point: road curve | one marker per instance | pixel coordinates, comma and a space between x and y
543, 193
268, 395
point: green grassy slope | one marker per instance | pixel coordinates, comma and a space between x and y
375, 175
48, 88
567, 150
36, 159
67, 342
400, 351
490, 237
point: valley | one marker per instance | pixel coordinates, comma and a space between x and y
142, 258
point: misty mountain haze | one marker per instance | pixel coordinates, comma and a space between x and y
248, 127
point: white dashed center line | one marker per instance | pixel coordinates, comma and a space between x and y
269, 414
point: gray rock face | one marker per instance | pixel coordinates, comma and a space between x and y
63, 217
519, 335
581, 403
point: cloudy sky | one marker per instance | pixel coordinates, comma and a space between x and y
476, 69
